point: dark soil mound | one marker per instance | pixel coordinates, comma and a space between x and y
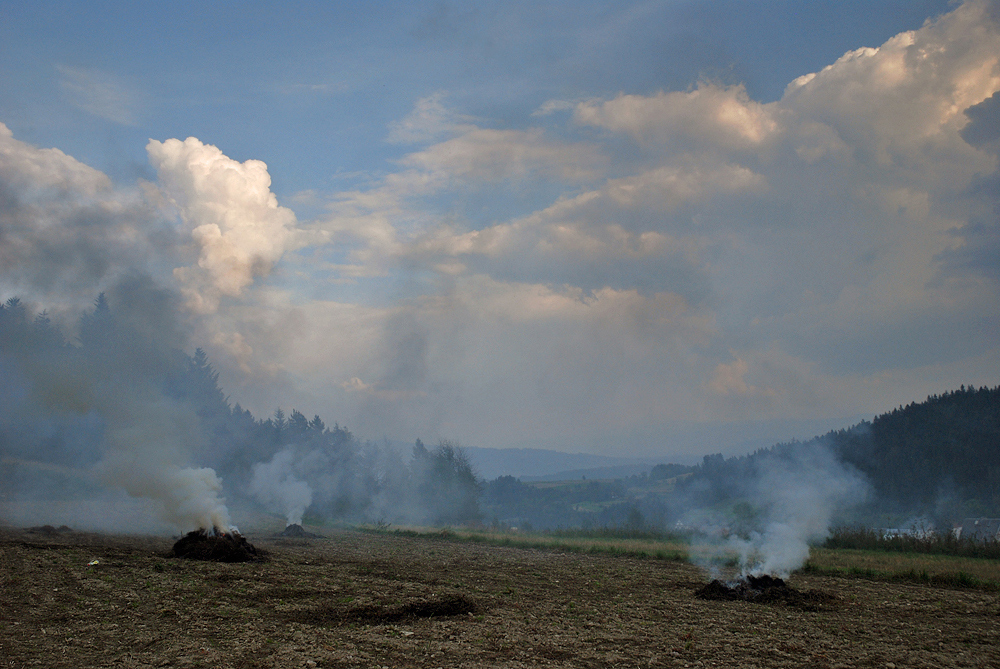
295, 531
444, 606
448, 605
49, 530
216, 546
763, 590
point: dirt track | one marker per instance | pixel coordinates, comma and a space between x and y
360, 600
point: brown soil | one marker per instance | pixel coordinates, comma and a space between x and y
362, 600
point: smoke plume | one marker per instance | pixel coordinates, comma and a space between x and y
108, 414
788, 499
276, 486
234, 219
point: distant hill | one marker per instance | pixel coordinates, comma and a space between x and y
593, 473
537, 464
939, 457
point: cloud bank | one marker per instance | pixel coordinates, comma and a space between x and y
590, 277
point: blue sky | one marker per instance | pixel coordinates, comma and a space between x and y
309, 88
630, 228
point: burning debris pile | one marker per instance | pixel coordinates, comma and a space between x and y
763, 589
750, 588
216, 546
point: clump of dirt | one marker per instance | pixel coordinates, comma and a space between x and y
49, 530
216, 546
447, 605
763, 589
444, 606
295, 531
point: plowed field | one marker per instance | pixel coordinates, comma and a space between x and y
370, 600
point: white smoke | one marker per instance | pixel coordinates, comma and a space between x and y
47, 253
793, 495
148, 443
337, 477
278, 488
147, 447
126, 431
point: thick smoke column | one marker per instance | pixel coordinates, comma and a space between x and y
275, 484
66, 234
148, 444
125, 385
790, 497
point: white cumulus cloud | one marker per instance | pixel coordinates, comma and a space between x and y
234, 219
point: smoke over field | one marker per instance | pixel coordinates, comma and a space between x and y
275, 484
107, 412
783, 503
125, 410
121, 427
595, 244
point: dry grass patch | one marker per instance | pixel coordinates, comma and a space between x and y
945, 569
570, 543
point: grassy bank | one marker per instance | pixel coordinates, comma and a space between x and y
928, 568
641, 545
879, 565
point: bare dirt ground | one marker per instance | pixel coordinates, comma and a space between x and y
366, 600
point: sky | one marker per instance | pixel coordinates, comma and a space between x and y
656, 229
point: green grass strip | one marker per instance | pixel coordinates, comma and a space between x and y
560, 542
960, 579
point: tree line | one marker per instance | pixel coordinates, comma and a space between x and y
347, 478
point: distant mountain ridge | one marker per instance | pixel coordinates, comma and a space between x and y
593, 473
542, 464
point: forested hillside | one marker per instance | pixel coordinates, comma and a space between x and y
938, 459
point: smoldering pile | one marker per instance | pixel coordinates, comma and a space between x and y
764, 589
296, 531
49, 530
216, 546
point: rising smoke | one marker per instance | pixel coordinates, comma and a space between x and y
126, 412
232, 218
783, 501
109, 412
136, 436
277, 487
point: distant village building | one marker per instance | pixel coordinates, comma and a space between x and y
980, 529
918, 528
914, 532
